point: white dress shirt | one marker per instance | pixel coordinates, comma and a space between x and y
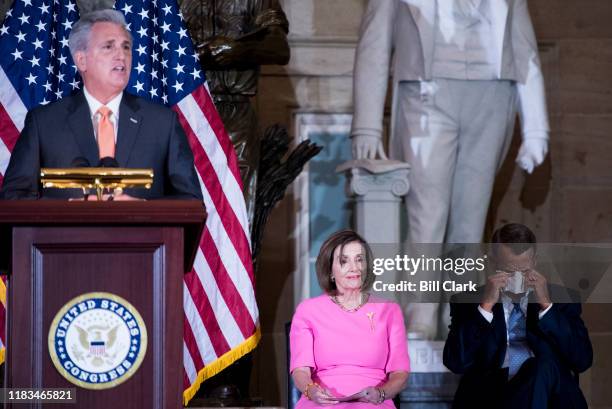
508, 305
94, 105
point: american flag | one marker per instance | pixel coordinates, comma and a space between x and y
221, 315
35, 63
35, 68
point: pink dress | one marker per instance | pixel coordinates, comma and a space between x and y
348, 351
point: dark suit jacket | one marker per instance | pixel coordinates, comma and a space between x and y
149, 136
476, 348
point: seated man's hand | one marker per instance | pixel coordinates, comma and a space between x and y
539, 284
367, 147
495, 283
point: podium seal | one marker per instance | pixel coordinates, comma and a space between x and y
97, 340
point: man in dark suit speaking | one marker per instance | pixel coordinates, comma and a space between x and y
516, 346
102, 121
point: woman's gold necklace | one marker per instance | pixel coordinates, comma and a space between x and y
362, 300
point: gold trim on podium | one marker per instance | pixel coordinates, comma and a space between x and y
96, 178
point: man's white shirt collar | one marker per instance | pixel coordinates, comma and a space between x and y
94, 105
509, 304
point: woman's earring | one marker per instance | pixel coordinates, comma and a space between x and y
333, 278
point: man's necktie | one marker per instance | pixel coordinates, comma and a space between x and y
518, 351
106, 133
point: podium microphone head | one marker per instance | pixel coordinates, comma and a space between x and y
80, 162
108, 162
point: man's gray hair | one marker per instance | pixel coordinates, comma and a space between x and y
81, 30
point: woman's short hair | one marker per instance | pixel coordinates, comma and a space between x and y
325, 259
81, 30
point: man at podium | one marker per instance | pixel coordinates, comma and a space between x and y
102, 121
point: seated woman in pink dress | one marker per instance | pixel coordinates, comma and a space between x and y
347, 342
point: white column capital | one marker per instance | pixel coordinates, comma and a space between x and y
389, 186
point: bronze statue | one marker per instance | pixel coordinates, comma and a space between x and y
233, 38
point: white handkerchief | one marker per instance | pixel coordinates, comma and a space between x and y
516, 283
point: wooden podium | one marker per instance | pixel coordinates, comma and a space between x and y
60, 250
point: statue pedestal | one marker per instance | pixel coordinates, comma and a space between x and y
430, 385
426, 356
377, 187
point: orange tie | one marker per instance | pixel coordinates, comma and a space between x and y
106, 133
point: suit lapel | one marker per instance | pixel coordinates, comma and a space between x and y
79, 121
129, 124
500, 330
533, 311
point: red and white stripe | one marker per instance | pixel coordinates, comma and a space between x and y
12, 117
219, 298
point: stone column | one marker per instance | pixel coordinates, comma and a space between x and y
377, 187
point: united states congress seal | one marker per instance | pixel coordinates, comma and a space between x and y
97, 340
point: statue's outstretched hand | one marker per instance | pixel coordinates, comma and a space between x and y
367, 147
532, 153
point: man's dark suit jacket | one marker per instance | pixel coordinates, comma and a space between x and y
149, 136
476, 348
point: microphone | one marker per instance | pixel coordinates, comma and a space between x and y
108, 162
80, 162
